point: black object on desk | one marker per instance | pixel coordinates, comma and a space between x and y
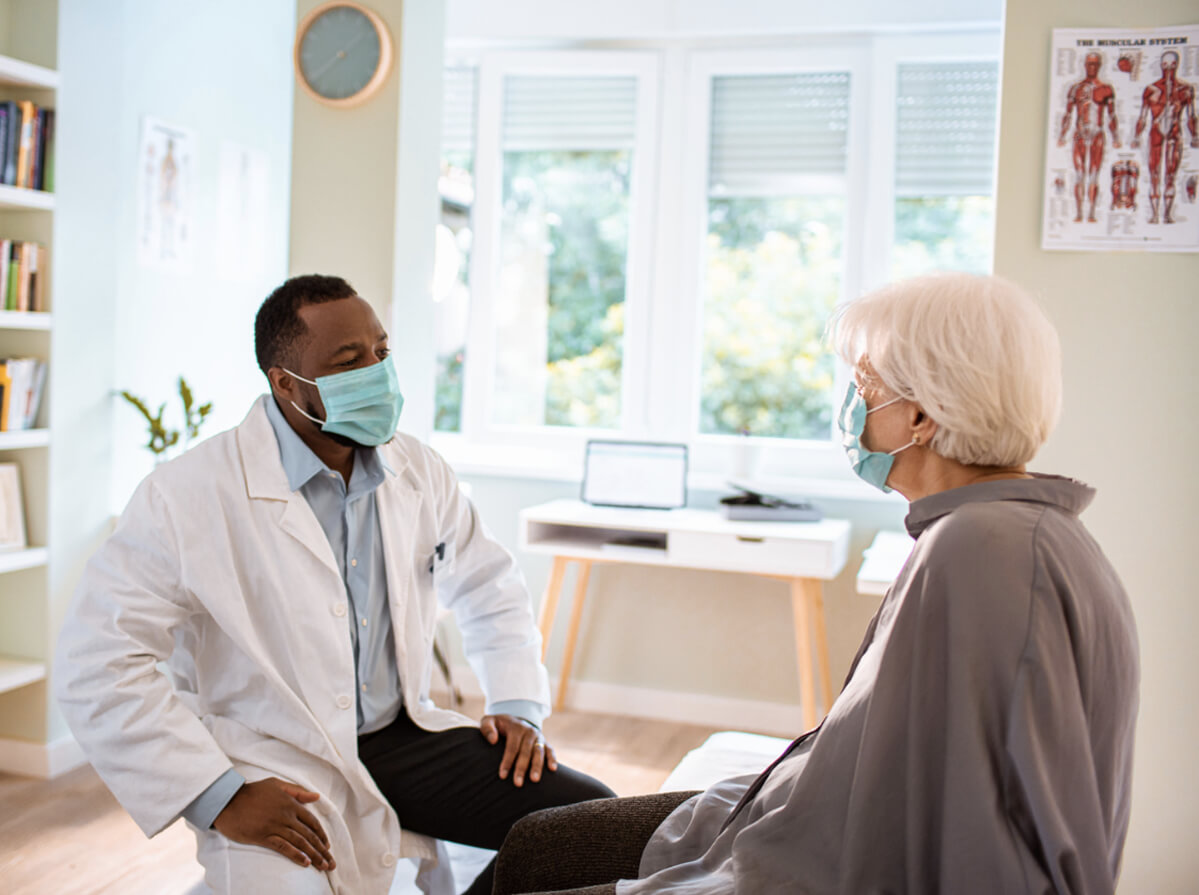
757, 507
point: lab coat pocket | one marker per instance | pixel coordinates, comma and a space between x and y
441, 563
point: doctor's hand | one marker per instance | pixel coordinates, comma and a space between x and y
525, 749
271, 814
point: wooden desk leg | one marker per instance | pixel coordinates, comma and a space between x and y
815, 590
572, 633
803, 651
549, 602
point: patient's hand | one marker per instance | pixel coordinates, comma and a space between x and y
525, 749
271, 813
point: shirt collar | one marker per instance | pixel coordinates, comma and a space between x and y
301, 465
1067, 494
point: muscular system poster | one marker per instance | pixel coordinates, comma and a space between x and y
1122, 153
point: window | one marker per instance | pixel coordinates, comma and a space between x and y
944, 159
670, 276
773, 259
451, 268
568, 145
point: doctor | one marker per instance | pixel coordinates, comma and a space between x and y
287, 573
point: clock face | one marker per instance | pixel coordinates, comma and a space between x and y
339, 53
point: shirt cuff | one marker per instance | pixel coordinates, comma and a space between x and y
203, 812
525, 709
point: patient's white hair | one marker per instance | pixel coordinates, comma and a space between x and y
976, 353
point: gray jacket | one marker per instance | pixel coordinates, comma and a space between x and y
983, 741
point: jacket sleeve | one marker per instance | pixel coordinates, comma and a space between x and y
490, 600
150, 749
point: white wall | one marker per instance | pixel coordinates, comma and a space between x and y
364, 198
222, 69
1128, 323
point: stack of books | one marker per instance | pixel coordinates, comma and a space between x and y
22, 380
26, 145
22, 276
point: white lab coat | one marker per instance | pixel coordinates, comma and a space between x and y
218, 569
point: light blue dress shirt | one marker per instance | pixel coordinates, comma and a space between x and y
350, 520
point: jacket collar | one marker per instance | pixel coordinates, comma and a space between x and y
266, 478
1069, 495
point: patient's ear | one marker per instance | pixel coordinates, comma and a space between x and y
922, 426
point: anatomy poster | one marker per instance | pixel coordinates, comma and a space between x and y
242, 212
1122, 154
164, 217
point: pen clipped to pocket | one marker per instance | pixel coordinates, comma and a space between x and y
441, 562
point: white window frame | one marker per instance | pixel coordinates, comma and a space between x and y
888, 54
777, 458
481, 440
664, 274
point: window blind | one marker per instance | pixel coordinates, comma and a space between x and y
945, 128
569, 113
778, 134
458, 109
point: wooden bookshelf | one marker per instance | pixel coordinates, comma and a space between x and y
19, 73
19, 198
25, 320
24, 438
25, 633
28, 558
15, 673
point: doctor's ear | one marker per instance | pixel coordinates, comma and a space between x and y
281, 381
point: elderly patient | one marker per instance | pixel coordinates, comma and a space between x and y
983, 740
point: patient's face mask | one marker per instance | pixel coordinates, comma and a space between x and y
362, 405
870, 466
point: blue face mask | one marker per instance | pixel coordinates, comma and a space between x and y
362, 405
870, 466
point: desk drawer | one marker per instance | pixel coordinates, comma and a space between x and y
742, 553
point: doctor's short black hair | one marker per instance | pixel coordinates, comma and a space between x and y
278, 326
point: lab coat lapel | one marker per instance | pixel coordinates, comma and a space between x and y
266, 480
399, 506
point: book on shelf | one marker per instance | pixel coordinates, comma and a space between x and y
23, 270
8, 150
12, 509
22, 382
6, 118
26, 145
25, 142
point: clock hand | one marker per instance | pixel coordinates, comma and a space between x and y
328, 65
341, 54
354, 42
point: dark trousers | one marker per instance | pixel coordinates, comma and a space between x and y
581, 849
447, 785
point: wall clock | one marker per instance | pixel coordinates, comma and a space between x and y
343, 53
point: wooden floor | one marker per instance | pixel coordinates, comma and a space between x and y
69, 837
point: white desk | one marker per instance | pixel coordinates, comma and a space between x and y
883, 560
802, 553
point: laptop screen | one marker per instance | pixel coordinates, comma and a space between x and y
635, 474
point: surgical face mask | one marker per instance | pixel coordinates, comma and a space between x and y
870, 466
362, 405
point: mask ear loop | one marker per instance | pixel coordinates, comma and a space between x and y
915, 438
297, 406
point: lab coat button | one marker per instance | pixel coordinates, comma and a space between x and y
344, 702
339, 609
389, 860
